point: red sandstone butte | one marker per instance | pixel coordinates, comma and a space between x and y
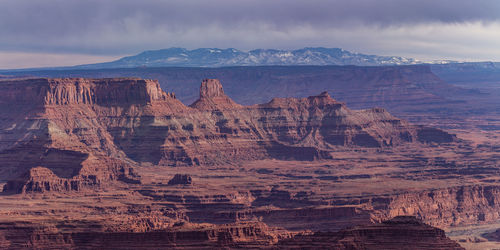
91, 131
96, 163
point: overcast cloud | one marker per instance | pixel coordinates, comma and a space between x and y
102, 29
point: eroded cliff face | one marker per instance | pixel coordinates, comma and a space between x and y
449, 207
443, 208
401, 232
75, 91
397, 233
22, 235
108, 146
58, 124
212, 97
218, 131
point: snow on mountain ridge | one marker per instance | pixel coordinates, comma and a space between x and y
215, 57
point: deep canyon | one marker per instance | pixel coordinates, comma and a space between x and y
119, 162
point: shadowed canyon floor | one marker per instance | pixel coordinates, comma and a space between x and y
90, 162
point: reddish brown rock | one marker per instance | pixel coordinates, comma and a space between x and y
491, 236
457, 205
59, 124
83, 153
245, 235
402, 232
93, 174
181, 179
398, 233
212, 97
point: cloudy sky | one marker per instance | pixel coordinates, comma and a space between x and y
37, 33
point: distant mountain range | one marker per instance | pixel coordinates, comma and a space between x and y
213, 57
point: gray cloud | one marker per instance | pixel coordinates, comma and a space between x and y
129, 26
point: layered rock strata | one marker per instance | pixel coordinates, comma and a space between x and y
397, 233
91, 131
403, 232
181, 179
212, 97
26, 235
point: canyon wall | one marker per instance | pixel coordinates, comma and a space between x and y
220, 174
396, 233
133, 120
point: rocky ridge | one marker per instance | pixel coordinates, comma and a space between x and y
117, 162
397, 233
214, 57
402, 232
91, 131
